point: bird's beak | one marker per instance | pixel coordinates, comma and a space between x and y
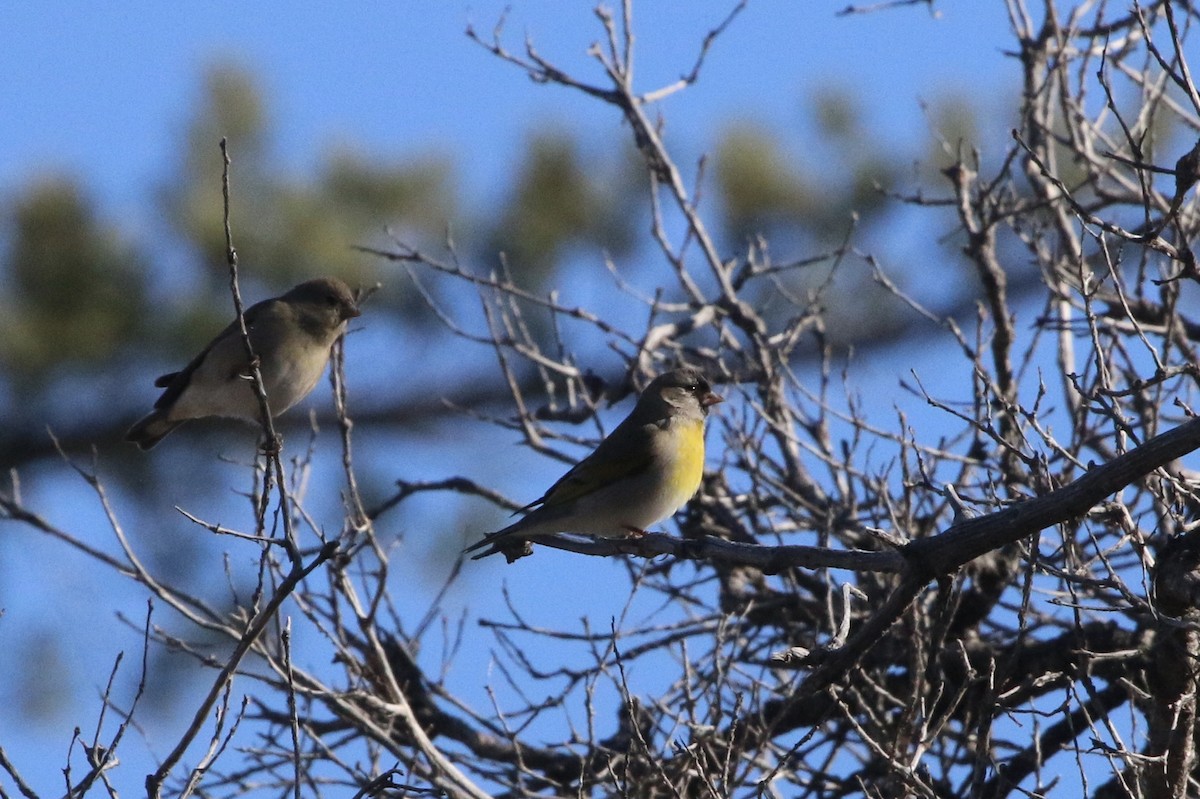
711, 399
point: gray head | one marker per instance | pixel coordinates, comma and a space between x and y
327, 298
684, 390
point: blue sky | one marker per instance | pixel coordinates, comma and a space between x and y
101, 91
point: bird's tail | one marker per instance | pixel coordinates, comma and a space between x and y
509, 541
151, 429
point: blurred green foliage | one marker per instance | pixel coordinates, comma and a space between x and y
76, 287
804, 197
560, 198
290, 228
761, 191
79, 288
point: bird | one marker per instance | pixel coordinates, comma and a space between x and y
644, 471
291, 335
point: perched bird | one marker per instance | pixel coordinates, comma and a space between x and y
291, 335
644, 471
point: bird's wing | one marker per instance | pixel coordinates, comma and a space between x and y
175, 383
625, 453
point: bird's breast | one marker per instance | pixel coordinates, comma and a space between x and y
685, 461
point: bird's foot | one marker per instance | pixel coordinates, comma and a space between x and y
634, 532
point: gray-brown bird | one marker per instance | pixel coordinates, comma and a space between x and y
292, 336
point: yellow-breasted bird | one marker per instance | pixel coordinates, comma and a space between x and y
291, 336
643, 472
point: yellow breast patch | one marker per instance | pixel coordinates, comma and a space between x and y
687, 464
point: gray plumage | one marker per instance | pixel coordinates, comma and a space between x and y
292, 336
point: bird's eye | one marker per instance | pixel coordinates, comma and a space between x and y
693, 387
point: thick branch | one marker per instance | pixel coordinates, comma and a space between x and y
944, 553
767, 559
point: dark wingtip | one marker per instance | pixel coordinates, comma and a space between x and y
512, 548
143, 441
162, 381
148, 431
